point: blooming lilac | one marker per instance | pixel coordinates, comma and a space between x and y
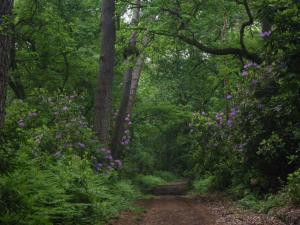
105, 151
229, 96
233, 114
265, 34
110, 167
109, 157
248, 65
254, 83
251, 64
219, 118
98, 166
118, 163
244, 73
255, 65
230, 123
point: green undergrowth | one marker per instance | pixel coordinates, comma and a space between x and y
251, 199
147, 182
67, 191
262, 205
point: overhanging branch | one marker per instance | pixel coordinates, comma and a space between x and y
241, 53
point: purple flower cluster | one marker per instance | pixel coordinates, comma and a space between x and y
233, 113
108, 163
21, 122
219, 118
126, 137
265, 34
254, 83
251, 65
248, 66
228, 96
244, 73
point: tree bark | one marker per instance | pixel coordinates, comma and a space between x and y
5, 47
130, 54
103, 97
136, 74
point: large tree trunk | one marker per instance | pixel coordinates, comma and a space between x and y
5, 47
136, 74
130, 54
103, 98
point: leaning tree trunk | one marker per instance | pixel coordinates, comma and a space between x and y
130, 54
103, 98
5, 46
136, 74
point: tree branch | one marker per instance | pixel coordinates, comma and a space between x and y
244, 25
210, 50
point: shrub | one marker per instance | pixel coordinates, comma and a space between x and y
166, 175
293, 187
204, 185
64, 192
53, 169
147, 182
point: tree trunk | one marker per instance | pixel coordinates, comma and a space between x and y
5, 47
136, 74
103, 97
130, 54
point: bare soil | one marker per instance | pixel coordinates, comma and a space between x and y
191, 210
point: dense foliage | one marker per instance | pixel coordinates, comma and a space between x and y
227, 121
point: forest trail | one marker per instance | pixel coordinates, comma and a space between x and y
190, 210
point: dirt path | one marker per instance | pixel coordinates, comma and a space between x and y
191, 210
175, 210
